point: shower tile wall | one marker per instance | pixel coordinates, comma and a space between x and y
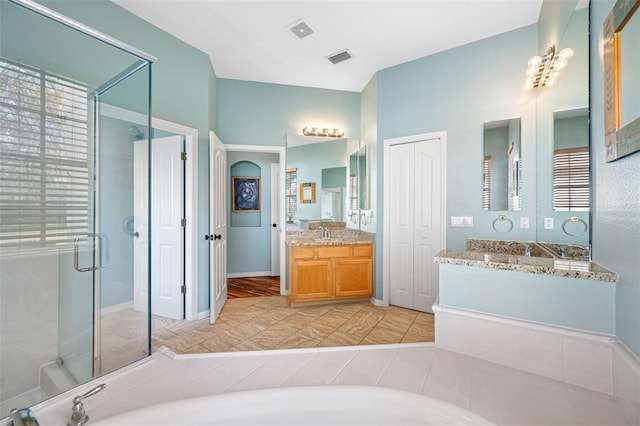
28, 301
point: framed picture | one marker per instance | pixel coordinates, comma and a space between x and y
308, 193
246, 194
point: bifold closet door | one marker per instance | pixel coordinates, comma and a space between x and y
415, 223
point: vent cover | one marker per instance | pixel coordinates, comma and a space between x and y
340, 57
300, 29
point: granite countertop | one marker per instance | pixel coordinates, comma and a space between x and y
536, 265
337, 238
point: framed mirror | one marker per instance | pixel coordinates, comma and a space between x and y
502, 165
621, 82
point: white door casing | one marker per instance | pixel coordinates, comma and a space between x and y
276, 228
140, 226
192, 233
167, 261
414, 225
218, 225
281, 151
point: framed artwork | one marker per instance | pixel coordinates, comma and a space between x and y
621, 84
307, 193
246, 194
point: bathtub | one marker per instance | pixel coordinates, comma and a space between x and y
308, 405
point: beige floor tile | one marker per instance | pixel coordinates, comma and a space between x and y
338, 338
382, 334
361, 323
259, 323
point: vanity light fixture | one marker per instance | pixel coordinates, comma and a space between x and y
543, 70
323, 131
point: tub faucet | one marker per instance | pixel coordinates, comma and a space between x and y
78, 414
22, 417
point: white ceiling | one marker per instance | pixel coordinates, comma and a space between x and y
249, 40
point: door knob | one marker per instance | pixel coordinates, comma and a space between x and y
274, 225
217, 237
208, 237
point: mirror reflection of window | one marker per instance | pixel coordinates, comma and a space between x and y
291, 194
571, 160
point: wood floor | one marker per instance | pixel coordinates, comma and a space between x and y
253, 287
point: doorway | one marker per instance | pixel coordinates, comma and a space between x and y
276, 191
414, 224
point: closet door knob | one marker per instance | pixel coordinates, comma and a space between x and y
217, 237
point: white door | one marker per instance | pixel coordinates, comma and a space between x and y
218, 225
167, 265
415, 223
276, 229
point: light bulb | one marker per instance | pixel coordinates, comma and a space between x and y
534, 61
566, 53
560, 64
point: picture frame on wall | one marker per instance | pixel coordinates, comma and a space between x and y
246, 194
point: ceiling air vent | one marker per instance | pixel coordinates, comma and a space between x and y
340, 57
300, 29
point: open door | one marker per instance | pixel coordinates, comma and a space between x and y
217, 225
276, 229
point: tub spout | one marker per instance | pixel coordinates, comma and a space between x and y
22, 417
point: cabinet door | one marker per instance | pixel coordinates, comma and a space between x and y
313, 280
354, 277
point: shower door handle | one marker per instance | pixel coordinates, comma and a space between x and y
102, 243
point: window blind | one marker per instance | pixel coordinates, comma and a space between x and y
44, 176
291, 206
353, 192
486, 185
571, 179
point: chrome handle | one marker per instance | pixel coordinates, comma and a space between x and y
78, 414
76, 252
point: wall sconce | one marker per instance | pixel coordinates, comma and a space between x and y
543, 70
323, 131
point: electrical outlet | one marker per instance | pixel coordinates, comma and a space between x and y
524, 222
548, 223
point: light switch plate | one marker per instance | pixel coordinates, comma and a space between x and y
524, 222
548, 223
462, 221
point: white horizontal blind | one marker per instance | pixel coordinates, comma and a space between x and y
486, 183
571, 179
44, 182
353, 192
291, 206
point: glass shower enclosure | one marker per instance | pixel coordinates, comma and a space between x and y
74, 237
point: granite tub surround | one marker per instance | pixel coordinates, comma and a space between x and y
535, 265
313, 237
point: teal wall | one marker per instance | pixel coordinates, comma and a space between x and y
252, 113
616, 205
567, 302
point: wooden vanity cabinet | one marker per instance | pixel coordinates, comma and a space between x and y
324, 273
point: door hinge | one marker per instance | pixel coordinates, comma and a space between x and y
183, 222
183, 156
183, 289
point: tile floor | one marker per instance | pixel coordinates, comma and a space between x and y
259, 323
503, 395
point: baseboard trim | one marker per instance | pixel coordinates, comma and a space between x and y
249, 274
202, 315
115, 308
378, 302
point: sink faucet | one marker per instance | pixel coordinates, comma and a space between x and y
22, 417
527, 247
325, 233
